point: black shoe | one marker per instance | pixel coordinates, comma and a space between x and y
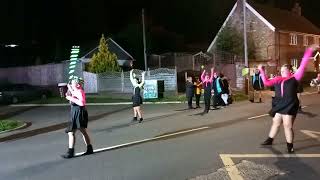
89, 150
141, 119
260, 100
134, 119
69, 154
290, 148
267, 141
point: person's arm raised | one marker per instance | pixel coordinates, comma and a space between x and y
266, 81
307, 54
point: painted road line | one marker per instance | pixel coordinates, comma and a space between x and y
233, 171
259, 116
309, 93
263, 115
145, 140
312, 134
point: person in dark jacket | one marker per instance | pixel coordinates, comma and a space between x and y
217, 87
189, 91
257, 85
225, 89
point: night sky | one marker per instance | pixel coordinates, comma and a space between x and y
45, 30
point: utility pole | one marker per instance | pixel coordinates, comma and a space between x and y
144, 42
245, 46
245, 35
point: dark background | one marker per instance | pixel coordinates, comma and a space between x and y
46, 30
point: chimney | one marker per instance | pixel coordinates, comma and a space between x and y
296, 9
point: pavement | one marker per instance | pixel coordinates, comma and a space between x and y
172, 143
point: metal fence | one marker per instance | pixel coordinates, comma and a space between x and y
120, 81
193, 61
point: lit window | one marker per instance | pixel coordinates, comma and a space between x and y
294, 62
293, 39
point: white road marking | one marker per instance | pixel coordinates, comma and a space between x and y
311, 134
146, 140
259, 116
233, 171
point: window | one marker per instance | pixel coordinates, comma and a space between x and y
293, 39
294, 63
305, 40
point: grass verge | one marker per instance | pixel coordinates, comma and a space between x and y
9, 124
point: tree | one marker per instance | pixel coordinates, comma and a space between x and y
231, 40
103, 60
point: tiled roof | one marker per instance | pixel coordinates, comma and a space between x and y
286, 20
114, 48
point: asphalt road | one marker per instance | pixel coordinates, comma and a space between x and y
171, 143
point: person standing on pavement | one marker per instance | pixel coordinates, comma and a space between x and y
79, 117
225, 89
189, 91
207, 86
217, 90
198, 87
136, 97
285, 104
257, 85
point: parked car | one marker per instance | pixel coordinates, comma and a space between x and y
16, 93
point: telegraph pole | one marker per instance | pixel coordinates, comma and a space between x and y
245, 35
144, 42
246, 63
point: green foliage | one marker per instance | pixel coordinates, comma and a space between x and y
104, 60
9, 124
231, 40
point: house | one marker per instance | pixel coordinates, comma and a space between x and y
279, 36
125, 60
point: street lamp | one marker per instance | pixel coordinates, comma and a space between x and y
11, 45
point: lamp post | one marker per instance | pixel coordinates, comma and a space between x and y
11, 45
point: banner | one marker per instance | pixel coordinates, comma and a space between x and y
150, 89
